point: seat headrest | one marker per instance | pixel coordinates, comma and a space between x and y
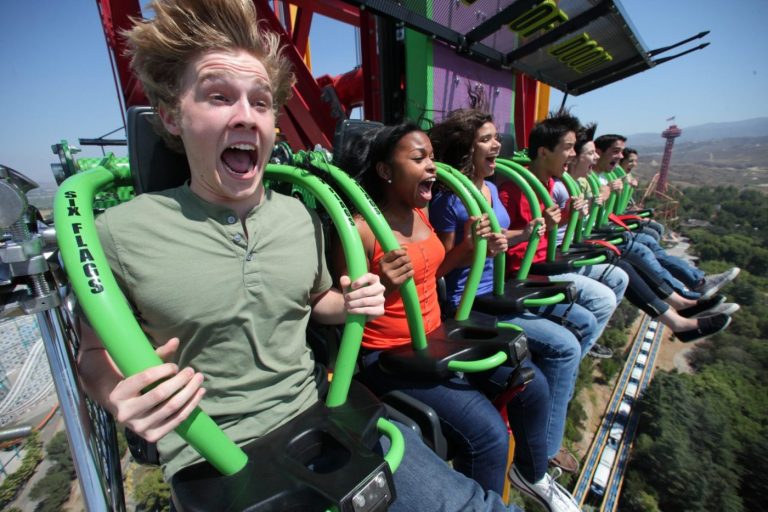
154, 166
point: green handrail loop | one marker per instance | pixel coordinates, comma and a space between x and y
530, 195
543, 195
381, 230
574, 221
480, 249
480, 365
545, 198
626, 192
545, 301
486, 208
610, 204
356, 266
509, 325
500, 260
394, 455
595, 209
596, 260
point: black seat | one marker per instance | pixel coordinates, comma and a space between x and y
518, 291
473, 339
569, 261
322, 456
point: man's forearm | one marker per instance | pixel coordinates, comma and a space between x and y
328, 308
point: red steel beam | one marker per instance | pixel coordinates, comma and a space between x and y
115, 17
310, 115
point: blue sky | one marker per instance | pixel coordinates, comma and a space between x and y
57, 83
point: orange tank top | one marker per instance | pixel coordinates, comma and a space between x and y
391, 329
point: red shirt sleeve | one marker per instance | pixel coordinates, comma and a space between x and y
520, 215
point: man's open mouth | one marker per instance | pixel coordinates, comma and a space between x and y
240, 158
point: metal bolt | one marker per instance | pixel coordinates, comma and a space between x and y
40, 285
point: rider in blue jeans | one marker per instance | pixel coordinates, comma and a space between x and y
558, 335
689, 281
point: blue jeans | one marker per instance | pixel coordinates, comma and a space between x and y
601, 288
651, 231
471, 423
656, 227
425, 483
656, 259
556, 338
686, 273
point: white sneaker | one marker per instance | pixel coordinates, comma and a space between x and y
546, 491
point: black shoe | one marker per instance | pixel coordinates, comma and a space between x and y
600, 351
727, 308
713, 283
708, 326
702, 305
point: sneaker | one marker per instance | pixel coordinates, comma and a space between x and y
600, 351
546, 491
702, 305
713, 283
565, 460
708, 326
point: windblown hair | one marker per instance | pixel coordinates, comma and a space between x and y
362, 151
453, 138
547, 133
604, 142
161, 48
627, 152
586, 134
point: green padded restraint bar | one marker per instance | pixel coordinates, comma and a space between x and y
110, 315
574, 223
485, 207
545, 198
626, 192
610, 204
595, 209
381, 230
533, 241
500, 260
481, 245
386, 238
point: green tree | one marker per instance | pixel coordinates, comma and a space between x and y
54, 488
152, 493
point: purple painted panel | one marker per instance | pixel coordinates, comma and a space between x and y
455, 76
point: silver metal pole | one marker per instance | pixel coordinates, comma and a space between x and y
72, 407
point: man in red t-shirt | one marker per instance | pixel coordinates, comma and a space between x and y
551, 149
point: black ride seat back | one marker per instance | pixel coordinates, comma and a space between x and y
154, 166
320, 459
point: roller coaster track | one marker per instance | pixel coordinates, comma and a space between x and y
33, 385
602, 475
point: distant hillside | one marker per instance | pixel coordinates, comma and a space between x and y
757, 127
741, 162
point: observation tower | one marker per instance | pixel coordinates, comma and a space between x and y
670, 134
